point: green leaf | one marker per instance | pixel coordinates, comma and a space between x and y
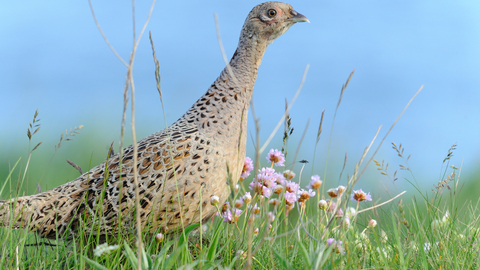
94, 264
131, 256
322, 255
146, 261
212, 250
305, 255
189, 266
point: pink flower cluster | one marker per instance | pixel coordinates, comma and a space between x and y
336, 244
268, 181
230, 215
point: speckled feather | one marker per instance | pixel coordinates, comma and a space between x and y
192, 155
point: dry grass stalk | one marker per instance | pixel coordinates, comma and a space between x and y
344, 86
75, 166
130, 84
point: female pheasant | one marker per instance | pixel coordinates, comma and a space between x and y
179, 168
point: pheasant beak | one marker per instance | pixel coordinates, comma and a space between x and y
297, 17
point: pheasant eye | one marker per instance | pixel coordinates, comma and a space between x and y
271, 13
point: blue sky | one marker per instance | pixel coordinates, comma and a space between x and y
54, 58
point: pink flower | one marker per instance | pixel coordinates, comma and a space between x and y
359, 195
279, 178
255, 186
292, 187
290, 197
229, 217
267, 192
336, 244
247, 168
267, 177
304, 195
316, 183
330, 241
276, 157
261, 189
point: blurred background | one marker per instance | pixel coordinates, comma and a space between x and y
53, 57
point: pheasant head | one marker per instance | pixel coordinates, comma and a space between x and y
265, 23
270, 20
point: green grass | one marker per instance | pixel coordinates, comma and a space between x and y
430, 231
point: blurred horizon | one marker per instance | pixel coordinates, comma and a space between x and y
54, 59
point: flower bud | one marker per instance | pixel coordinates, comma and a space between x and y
238, 203
333, 192
322, 204
372, 223
288, 174
214, 200
159, 237
247, 198
273, 202
278, 189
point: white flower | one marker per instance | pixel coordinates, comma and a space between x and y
346, 222
104, 248
350, 212
372, 223
446, 217
271, 217
426, 247
383, 237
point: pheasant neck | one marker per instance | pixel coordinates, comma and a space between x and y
227, 100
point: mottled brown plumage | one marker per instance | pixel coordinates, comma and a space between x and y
192, 155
